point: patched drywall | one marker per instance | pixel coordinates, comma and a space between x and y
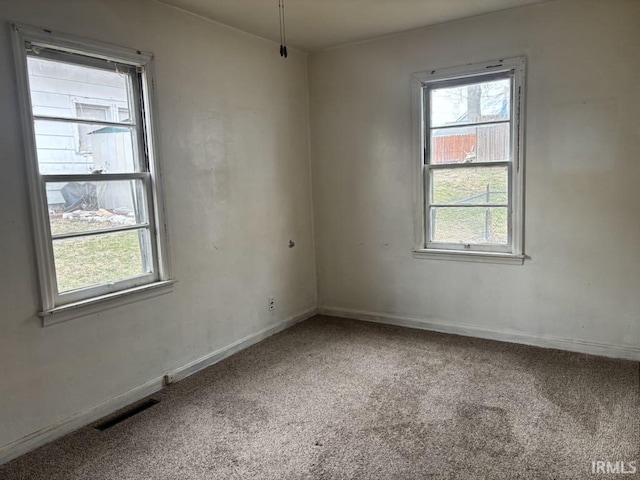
582, 169
233, 142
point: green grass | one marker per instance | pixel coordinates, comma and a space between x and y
86, 261
93, 260
467, 224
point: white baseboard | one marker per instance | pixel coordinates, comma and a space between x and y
573, 345
68, 425
48, 434
208, 360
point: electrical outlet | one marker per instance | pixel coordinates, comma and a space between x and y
272, 304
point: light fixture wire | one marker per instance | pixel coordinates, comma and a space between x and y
283, 33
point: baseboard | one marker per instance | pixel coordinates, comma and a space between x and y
572, 345
68, 425
48, 434
208, 360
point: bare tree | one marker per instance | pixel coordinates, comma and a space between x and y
474, 96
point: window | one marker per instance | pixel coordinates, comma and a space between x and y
469, 146
123, 115
94, 112
93, 177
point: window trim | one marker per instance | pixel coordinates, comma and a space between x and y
514, 251
103, 296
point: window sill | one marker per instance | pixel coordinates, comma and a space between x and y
478, 257
104, 302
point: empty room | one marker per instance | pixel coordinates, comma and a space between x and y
305, 239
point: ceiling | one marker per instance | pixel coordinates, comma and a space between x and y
313, 25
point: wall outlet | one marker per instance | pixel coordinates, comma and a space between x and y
169, 378
272, 304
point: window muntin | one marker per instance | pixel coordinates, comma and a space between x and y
96, 208
470, 158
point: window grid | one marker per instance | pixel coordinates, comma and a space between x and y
33, 42
509, 200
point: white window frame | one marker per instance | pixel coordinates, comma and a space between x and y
56, 307
513, 252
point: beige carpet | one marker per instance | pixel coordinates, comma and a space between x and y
339, 399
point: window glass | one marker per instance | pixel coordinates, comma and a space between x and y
98, 259
90, 112
474, 144
470, 225
467, 188
470, 186
57, 86
471, 103
109, 148
96, 187
98, 205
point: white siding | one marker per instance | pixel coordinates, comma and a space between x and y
59, 89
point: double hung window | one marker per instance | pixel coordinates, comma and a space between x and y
92, 168
469, 130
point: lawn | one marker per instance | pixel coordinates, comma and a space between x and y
467, 223
92, 260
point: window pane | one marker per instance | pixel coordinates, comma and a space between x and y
91, 112
75, 148
469, 186
471, 103
61, 89
98, 259
124, 115
86, 206
485, 143
474, 225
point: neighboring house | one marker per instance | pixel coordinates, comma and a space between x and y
69, 91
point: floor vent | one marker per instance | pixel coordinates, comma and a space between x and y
128, 414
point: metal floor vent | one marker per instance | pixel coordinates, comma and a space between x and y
128, 414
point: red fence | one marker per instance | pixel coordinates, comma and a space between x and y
490, 144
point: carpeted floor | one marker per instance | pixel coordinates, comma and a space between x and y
339, 399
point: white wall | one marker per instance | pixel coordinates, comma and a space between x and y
234, 147
233, 141
582, 170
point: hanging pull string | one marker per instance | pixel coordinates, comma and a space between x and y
280, 20
283, 33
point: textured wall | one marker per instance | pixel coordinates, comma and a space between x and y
582, 169
233, 142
